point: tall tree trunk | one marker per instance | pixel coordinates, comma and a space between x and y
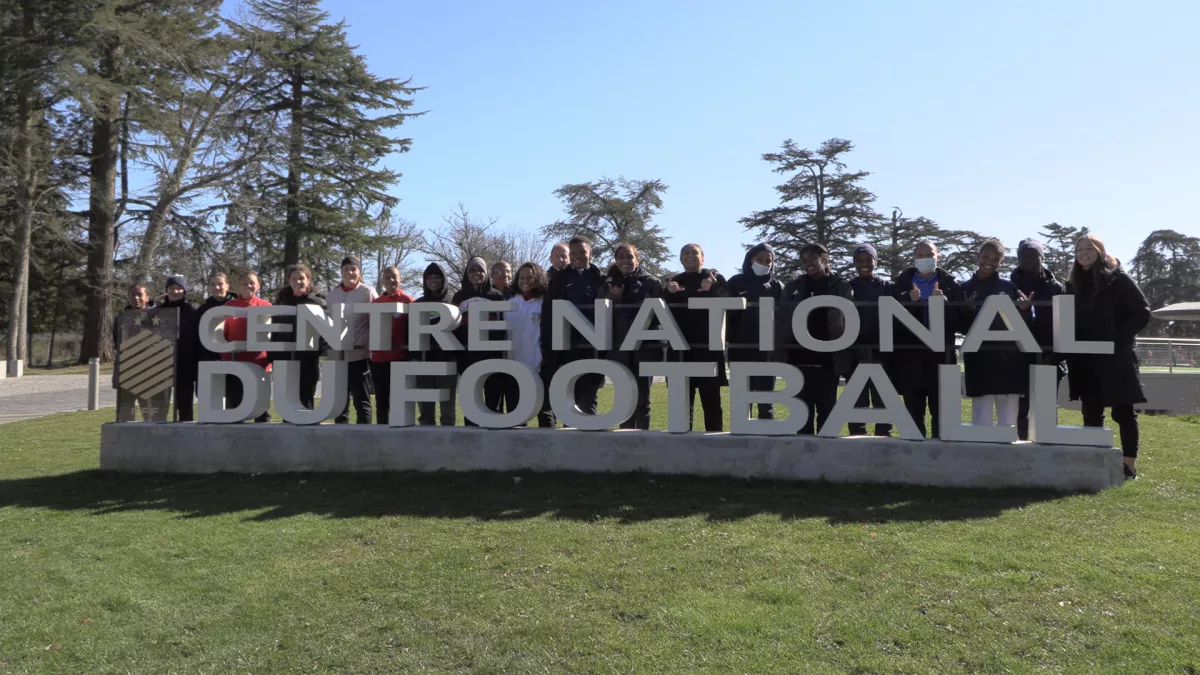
291, 245
18, 316
102, 212
54, 323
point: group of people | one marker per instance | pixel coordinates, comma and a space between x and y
1109, 307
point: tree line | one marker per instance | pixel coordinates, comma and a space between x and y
139, 137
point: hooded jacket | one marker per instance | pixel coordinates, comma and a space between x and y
435, 352
467, 292
742, 327
209, 303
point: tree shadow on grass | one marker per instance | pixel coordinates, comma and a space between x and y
627, 498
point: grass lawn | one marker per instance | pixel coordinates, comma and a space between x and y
486, 572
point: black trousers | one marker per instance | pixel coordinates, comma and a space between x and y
234, 394
710, 400
496, 390
426, 411
916, 403
545, 416
766, 411
641, 409
1125, 417
381, 380
587, 392
360, 393
869, 398
310, 373
185, 394
820, 393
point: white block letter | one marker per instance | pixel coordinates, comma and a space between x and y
1064, 330
1043, 414
212, 332
562, 394
405, 394
285, 375
893, 411
598, 333
800, 323
667, 329
379, 317
679, 394
256, 391
950, 379
1015, 328
470, 394
766, 324
934, 336
314, 324
716, 317
479, 322
741, 399
420, 329
259, 328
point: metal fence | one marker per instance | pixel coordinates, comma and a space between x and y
1168, 354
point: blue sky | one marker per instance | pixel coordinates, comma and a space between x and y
992, 116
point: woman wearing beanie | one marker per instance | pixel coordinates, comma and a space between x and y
627, 285
868, 288
525, 330
755, 283
997, 375
698, 282
476, 287
300, 291
235, 330
382, 360
187, 349
352, 291
1109, 307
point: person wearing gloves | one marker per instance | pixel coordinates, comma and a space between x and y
187, 348
381, 360
235, 330
1109, 307
300, 291
1036, 288
154, 408
754, 283
627, 285
526, 328
578, 284
915, 367
698, 282
997, 375
868, 288
218, 294
434, 289
475, 287
352, 291
822, 370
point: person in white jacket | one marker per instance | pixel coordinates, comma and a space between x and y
353, 291
526, 331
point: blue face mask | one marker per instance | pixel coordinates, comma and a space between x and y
926, 266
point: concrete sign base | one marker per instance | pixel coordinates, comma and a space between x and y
285, 448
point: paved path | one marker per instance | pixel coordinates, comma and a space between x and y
33, 396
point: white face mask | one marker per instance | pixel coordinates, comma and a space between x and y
927, 265
760, 269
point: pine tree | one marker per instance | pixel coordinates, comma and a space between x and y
821, 202
1167, 266
335, 118
610, 212
1060, 247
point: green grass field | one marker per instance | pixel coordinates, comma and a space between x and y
485, 572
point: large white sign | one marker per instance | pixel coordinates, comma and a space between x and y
311, 324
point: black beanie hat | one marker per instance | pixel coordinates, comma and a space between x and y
177, 280
352, 260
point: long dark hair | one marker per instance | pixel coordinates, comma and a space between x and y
1103, 268
539, 278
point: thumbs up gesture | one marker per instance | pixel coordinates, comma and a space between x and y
915, 293
937, 290
1025, 302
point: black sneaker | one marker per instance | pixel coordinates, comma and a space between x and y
1130, 474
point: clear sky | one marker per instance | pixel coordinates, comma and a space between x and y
992, 116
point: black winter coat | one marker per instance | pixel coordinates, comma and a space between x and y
1040, 318
435, 352
202, 352
914, 366
742, 329
636, 287
823, 324
694, 322
1110, 308
998, 367
580, 288
187, 347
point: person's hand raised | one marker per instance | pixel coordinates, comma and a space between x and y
937, 290
915, 293
1025, 302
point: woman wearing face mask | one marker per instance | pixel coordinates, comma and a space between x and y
1109, 307
187, 354
627, 285
915, 366
382, 360
235, 330
996, 375
475, 286
755, 283
525, 329
300, 291
697, 282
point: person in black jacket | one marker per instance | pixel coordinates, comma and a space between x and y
997, 375
218, 294
434, 289
627, 285
868, 288
502, 279
300, 291
1036, 288
560, 259
1109, 307
475, 286
187, 349
578, 284
915, 365
754, 283
822, 370
698, 282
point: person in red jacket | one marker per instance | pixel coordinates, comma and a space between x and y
381, 361
235, 329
